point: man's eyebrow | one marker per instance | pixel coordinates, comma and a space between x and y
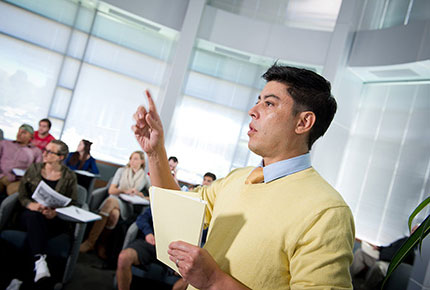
269, 96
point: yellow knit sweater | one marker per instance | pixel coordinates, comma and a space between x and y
293, 233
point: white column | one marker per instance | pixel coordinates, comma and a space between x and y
171, 93
342, 38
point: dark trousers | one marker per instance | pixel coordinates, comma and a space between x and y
40, 229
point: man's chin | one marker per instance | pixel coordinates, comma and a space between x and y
254, 149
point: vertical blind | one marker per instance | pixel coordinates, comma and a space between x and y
386, 167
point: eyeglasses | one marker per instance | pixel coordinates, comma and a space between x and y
51, 152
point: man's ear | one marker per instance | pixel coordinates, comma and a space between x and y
305, 122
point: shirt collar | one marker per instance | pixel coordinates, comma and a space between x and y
285, 167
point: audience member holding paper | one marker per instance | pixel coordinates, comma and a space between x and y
277, 226
129, 180
41, 222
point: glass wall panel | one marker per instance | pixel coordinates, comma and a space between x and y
387, 159
33, 28
28, 76
102, 109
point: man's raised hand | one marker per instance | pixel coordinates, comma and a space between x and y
148, 128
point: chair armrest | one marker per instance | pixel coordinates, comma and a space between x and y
131, 235
6, 209
97, 196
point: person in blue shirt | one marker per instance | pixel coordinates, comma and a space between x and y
82, 159
141, 251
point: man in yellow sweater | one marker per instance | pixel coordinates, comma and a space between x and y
277, 226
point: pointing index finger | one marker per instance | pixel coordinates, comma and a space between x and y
151, 103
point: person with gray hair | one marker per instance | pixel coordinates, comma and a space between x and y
18, 154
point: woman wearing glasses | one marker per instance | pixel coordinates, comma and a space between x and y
40, 222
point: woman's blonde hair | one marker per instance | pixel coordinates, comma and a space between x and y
141, 155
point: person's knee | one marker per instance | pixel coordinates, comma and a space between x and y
127, 258
113, 219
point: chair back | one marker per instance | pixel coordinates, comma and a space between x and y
82, 195
7, 207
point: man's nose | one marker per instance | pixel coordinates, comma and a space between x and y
253, 112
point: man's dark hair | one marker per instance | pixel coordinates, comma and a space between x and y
174, 159
46, 121
211, 175
310, 92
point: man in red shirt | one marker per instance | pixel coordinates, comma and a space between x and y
42, 137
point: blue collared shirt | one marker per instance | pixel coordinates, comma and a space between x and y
286, 167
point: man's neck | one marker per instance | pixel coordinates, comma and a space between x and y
22, 144
52, 166
43, 135
270, 160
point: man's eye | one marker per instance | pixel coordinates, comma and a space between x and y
269, 104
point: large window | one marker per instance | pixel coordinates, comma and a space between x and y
206, 130
86, 68
386, 167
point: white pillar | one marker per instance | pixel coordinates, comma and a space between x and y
171, 93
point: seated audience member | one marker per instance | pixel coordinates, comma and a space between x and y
374, 269
208, 178
81, 159
40, 222
16, 154
130, 179
173, 163
139, 252
42, 137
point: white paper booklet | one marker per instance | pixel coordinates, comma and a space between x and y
134, 199
78, 213
176, 217
18, 171
368, 249
86, 173
46, 196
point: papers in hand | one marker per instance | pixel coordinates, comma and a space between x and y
46, 196
368, 249
176, 217
78, 213
18, 171
134, 199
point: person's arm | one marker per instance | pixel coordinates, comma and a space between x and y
387, 252
37, 155
114, 186
323, 252
26, 190
93, 166
144, 222
150, 136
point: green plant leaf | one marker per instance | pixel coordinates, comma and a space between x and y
420, 233
419, 208
426, 224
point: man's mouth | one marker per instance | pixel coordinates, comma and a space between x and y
252, 130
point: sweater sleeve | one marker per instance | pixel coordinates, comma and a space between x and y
323, 253
144, 222
93, 166
117, 176
25, 190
